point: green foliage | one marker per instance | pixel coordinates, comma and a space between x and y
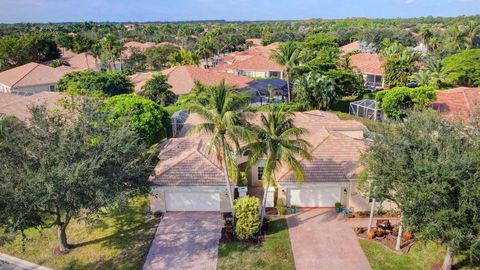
248, 220
19, 50
399, 64
146, 117
430, 169
243, 180
281, 207
397, 101
183, 57
136, 62
347, 83
58, 63
73, 165
96, 83
315, 91
158, 90
463, 68
157, 56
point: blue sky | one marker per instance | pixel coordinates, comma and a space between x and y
177, 10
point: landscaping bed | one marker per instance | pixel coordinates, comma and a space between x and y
274, 252
118, 241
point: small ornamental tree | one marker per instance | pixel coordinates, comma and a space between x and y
147, 118
397, 101
248, 218
463, 68
431, 170
158, 90
61, 166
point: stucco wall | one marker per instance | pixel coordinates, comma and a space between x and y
157, 201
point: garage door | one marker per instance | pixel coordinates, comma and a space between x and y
316, 197
192, 201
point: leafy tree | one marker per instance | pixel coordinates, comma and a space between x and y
157, 57
399, 64
248, 219
395, 102
58, 63
111, 50
224, 126
81, 44
146, 117
72, 165
183, 57
430, 169
158, 90
96, 83
137, 61
315, 91
279, 142
347, 83
463, 68
287, 56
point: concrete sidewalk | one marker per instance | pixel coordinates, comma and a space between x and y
8, 262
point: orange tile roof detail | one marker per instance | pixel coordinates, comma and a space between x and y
460, 103
30, 74
367, 63
139, 79
182, 78
354, 46
256, 58
258, 62
18, 106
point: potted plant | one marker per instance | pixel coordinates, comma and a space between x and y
338, 207
293, 209
407, 236
371, 234
242, 185
380, 232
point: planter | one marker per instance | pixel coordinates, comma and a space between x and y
371, 235
338, 209
242, 191
293, 210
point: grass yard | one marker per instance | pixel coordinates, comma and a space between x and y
420, 256
274, 253
118, 241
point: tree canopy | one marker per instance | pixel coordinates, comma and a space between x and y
397, 101
158, 90
96, 83
463, 68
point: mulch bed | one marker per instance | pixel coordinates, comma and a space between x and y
388, 240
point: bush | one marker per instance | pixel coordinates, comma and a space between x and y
248, 216
148, 119
281, 207
397, 101
463, 68
96, 83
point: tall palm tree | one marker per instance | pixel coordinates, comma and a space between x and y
95, 51
287, 56
279, 142
224, 126
111, 49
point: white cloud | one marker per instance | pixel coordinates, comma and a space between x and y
409, 1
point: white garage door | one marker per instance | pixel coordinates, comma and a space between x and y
192, 201
314, 197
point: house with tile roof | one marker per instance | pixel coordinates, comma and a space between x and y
254, 63
371, 67
189, 178
461, 103
30, 79
19, 106
350, 47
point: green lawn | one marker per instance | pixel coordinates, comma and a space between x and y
274, 253
119, 241
420, 256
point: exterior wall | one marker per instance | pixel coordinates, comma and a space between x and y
4, 88
30, 90
283, 187
158, 203
253, 175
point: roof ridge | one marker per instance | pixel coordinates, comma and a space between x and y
207, 158
23, 77
467, 102
302, 159
187, 155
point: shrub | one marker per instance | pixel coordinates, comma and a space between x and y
243, 180
96, 83
396, 101
248, 218
281, 207
463, 68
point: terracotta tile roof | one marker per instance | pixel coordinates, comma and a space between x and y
367, 63
460, 103
185, 162
354, 46
258, 62
29, 75
18, 106
139, 79
182, 78
255, 41
335, 156
256, 58
81, 61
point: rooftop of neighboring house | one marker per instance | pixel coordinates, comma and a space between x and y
460, 103
350, 47
18, 106
141, 46
182, 78
255, 41
256, 58
78, 61
335, 152
367, 63
30, 74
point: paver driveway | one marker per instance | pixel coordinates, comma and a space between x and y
186, 240
320, 241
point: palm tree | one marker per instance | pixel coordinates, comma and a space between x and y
95, 51
111, 49
287, 56
425, 35
422, 78
279, 142
223, 124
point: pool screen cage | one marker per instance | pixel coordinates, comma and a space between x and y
366, 108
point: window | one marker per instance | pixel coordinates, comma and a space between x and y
52, 88
260, 173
